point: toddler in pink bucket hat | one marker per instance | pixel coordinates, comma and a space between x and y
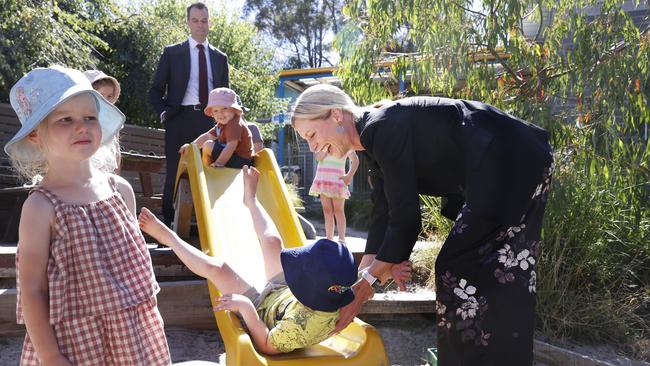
229, 143
222, 97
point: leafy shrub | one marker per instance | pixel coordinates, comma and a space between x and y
594, 262
358, 209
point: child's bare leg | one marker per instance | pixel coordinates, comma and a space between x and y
328, 216
218, 272
267, 233
206, 152
339, 213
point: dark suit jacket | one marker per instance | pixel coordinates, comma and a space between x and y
173, 74
463, 151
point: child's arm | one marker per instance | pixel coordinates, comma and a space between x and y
354, 165
199, 141
125, 189
258, 330
226, 153
33, 256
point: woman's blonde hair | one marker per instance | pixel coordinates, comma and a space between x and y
28, 160
317, 101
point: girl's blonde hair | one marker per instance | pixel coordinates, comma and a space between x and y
317, 101
28, 160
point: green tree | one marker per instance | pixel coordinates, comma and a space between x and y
301, 25
41, 33
585, 78
127, 43
136, 42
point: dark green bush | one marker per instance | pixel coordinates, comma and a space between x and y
594, 264
357, 211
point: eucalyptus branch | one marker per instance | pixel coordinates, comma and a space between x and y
398, 54
562, 73
532, 11
494, 10
469, 10
500, 60
541, 19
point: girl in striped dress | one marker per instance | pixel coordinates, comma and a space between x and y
331, 184
86, 291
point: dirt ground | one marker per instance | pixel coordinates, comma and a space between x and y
405, 340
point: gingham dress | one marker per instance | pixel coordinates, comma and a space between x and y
102, 290
328, 180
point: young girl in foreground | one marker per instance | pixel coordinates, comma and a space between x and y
86, 290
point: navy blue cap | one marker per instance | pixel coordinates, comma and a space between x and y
320, 275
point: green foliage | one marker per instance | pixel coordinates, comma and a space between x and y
135, 45
127, 44
294, 195
42, 33
268, 131
586, 79
422, 260
139, 42
595, 259
357, 211
434, 226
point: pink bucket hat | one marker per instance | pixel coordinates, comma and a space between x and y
222, 97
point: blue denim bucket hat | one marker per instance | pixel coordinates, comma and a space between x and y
320, 275
43, 89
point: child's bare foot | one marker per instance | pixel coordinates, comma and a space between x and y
150, 224
251, 178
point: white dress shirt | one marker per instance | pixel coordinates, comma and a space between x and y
192, 92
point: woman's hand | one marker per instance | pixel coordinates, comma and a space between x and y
381, 270
362, 293
183, 149
217, 165
401, 272
234, 302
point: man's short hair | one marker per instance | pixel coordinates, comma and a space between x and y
199, 5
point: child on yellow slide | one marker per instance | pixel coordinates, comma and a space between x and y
229, 143
306, 285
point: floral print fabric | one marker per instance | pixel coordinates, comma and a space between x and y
485, 287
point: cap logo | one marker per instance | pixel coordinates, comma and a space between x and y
338, 289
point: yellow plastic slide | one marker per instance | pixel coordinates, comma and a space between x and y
226, 232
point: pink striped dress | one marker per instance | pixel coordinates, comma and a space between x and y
102, 290
328, 180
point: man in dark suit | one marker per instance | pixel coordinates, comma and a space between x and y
186, 73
